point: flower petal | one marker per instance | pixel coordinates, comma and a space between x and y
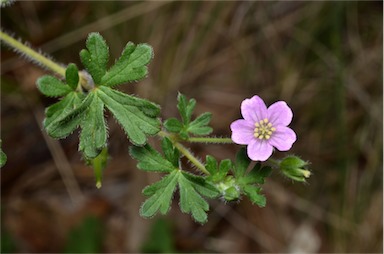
259, 150
254, 109
242, 132
280, 114
283, 138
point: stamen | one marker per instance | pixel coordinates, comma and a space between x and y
263, 129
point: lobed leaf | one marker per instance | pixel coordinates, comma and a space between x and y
202, 186
131, 66
160, 194
68, 103
191, 201
67, 121
52, 87
185, 108
93, 136
148, 108
150, 159
199, 125
135, 123
95, 57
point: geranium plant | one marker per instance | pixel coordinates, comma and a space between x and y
85, 94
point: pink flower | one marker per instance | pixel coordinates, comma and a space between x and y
263, 128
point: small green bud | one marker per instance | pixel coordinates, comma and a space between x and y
229, 189
295, 168
231, 194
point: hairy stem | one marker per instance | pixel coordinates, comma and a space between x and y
31, 54
185, 152
39, 58
210, 140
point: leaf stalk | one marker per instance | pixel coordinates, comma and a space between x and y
185, 152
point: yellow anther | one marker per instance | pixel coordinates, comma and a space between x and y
263, 129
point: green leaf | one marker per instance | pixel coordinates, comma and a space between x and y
170, 152
211, 165
258, 174
253, 193
185, 108
202, 186
72, 76
131, 65
191, 188
150, 160
57, 110
95, 57
52, 87
218, 173
242, 163
249, 183
186, 126
93, 135
66, 122
191, 201
199, 125
135, 123
148, 108
173, 125
160, 194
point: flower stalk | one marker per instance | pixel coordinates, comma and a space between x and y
185, 152
214, 140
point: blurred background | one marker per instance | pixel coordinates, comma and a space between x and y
323, 58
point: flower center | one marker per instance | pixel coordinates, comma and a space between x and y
263, 129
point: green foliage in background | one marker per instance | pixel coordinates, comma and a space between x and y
3, 156
160, 238
87, 237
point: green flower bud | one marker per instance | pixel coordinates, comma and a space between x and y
229, 189
295, 168
231, 194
